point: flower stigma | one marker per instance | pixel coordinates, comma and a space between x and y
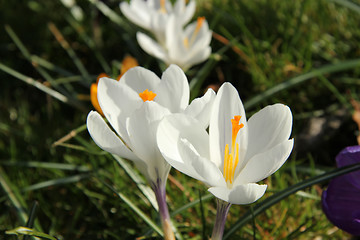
231, 159
147, 95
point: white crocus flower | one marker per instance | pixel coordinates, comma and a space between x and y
234, 155
134, 107
153, 15
184, 47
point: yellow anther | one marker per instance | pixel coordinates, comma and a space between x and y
231, 159
147, 95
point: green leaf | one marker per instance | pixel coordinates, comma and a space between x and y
29, 232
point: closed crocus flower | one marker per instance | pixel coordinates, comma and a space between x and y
341, 200
133, 107
234, 155
184, 47
153, 15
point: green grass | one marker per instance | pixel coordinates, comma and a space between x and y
302, 53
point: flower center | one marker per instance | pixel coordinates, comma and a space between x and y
147, 95
199, 23
231, 159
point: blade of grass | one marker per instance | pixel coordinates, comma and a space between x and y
54, 182
47, 165
29, 232
89, 42
348, 4
140, 213
27, 55
14, 197
270, 201
144, 188
41, 87
112, 15
331, 68
191, 204
46, 64
66, 46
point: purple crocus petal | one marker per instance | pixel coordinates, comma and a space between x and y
341, 204
348, 156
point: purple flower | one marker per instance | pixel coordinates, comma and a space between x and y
341, 200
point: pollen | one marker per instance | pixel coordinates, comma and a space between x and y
231, 159
147, 95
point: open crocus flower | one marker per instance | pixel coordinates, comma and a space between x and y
341, 200
153, 15
133, 107
184, 47
234, 155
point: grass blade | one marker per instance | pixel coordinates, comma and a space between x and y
64, 44
140, 213
270, 201
29, 232
59, 181
41, 87
144, 188
331, 68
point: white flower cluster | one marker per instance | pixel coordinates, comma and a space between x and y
173, 42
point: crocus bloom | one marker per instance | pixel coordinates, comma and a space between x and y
184, 47
153, 15
234, 155
133, 107
341, 200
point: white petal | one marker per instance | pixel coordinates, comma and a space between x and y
205, 170
268, 127
173, 90
264, 164
175, 41
105, 138
197, 57
200, 108
227, 104
179, 126
176, 126
139, 79
136, 13
117, 102
151, 47
142, 127
189, 12
240, 194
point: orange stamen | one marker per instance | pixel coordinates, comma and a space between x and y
200, 21
231, 159
147, 95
